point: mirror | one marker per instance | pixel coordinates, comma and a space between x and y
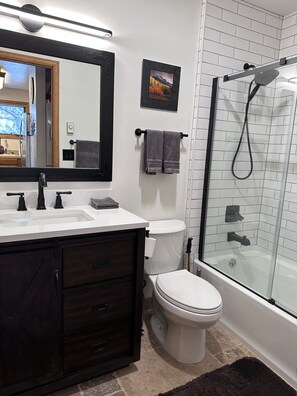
63, 96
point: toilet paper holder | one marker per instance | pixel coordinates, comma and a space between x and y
149, 246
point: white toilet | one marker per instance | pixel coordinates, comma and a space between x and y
184, 304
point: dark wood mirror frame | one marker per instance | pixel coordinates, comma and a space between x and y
105, 60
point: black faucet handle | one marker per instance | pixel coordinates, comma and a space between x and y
58, 204
22, 204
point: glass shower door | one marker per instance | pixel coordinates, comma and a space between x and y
233, 243
242, 217
284, 283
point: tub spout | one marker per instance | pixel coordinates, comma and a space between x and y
243, 240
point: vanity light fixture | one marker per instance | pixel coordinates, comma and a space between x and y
33, 19
2, 77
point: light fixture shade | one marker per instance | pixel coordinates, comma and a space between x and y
2, 76
33, 24
33, 19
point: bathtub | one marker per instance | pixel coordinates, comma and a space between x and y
266, 329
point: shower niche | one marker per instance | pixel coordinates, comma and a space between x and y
250, 186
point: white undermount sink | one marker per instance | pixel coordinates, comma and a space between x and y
25, 219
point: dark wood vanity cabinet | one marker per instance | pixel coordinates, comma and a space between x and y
70, 309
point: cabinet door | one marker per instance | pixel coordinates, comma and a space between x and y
30, 319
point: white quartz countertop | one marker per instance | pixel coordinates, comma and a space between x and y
16, 226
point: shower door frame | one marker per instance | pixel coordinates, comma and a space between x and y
207, 168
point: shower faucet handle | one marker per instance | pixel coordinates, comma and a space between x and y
232, 214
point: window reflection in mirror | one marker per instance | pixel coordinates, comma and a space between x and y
46, 103
12, 131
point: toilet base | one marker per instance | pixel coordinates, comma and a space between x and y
184, 343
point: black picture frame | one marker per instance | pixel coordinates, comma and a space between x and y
160, 85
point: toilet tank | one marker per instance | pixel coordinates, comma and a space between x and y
169, 235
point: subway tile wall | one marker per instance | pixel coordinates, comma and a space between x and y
288, 45
232, 33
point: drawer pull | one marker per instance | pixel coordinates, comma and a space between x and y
99, 347
99, 307
100, 264
56, 282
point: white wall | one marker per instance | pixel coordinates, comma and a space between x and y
164, 31
79, 103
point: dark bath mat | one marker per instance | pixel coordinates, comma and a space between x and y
245, 377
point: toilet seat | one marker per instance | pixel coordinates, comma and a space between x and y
189, 292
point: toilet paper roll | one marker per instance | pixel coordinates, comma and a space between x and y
149, 247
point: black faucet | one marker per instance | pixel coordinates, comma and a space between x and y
243, 240
41, 184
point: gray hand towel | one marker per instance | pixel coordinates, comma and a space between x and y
171, 152
87, 154
105, 203
153, 152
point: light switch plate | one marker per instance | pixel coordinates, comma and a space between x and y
70, 128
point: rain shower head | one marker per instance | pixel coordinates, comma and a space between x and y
266, 77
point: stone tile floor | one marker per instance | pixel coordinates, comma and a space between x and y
157, 372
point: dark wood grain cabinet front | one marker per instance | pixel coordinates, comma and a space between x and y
70, 309
30, 317
108, 258
97, 303
97, 344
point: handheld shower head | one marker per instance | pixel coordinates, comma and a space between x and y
266, 77
261, 78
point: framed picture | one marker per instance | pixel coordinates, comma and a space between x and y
160, 85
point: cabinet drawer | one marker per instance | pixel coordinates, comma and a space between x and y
98, 261
100, 344
91, 305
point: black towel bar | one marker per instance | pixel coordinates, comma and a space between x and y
72, 142
139, 132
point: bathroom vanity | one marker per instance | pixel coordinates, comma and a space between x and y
70, 298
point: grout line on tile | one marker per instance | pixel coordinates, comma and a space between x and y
120, 383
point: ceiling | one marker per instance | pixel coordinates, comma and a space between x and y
280, 7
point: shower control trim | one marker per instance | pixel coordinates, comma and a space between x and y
232, 214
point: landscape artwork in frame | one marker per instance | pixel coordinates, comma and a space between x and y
160, 85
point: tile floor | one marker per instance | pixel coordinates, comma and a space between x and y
157, 372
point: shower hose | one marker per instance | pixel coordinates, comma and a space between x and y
251, 94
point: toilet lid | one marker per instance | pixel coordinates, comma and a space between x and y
189, 292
